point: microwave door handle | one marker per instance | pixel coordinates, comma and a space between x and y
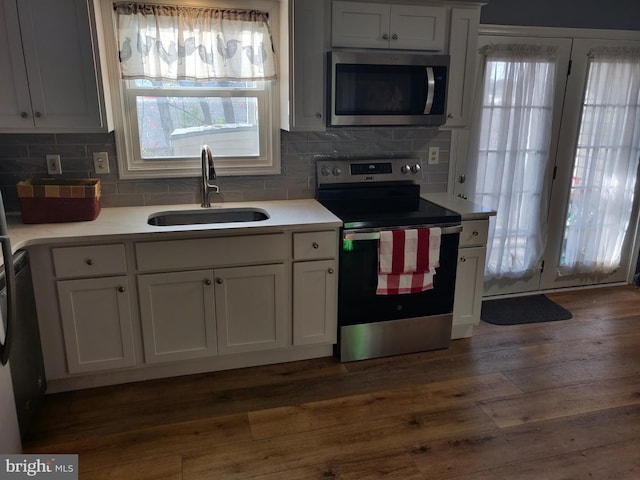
431, 85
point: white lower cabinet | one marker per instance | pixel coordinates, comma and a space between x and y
469, 277
97, 323
251, 308
177, 315
315, 286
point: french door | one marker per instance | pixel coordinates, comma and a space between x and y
559, 163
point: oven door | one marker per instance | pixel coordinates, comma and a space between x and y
358, 302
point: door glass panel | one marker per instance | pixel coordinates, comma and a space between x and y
605, 166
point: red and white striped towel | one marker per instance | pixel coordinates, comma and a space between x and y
407, 260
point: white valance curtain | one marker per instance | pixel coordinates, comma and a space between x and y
188, 43
606, 164
509, 154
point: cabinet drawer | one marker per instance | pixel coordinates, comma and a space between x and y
95, 260
474, 233
211, 252
311, 245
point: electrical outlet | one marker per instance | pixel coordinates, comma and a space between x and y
434, 155
101, 162
54, 167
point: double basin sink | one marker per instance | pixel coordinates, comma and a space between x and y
207, 216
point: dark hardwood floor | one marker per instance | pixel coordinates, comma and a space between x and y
557, 400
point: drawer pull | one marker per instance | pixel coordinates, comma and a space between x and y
121, 289
207, 281
89, 261
315, 245
330, 271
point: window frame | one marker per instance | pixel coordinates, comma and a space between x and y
125, 121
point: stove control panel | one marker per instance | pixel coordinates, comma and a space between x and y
370, 170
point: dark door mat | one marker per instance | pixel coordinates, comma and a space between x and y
518, 310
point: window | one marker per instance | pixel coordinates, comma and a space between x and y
183, 87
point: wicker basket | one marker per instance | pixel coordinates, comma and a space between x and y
52, 200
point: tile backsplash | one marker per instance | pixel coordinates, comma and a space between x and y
23, 156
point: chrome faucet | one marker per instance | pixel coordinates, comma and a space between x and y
208, 174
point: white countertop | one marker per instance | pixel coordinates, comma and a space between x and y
467, 210
128, 221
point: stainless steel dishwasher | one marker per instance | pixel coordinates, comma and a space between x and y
27, 366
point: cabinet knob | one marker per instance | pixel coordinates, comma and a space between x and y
207, 281
330, 270
24, 114
121, 289
462, 178
219, 281
318, 115
462, 259
89, 261
450, 116
394, 36
315, 245
475, 233
385, 36
38, 114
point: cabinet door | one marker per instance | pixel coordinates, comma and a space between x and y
315, 286
59, 57
463, 41
469, 284
177, 315
414, 27
357, 24
97, 324
15, 104
308, 60
251, 308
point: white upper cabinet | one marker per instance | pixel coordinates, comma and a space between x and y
303, 92
379, 25
50, 77
463, 43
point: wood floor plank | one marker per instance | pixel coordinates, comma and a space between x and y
165, 468
145, 444
354, 409
329, 445
563, 402
464, 455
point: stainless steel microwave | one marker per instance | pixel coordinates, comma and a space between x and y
381, 88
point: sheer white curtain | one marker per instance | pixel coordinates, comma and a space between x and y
606, 164
510, 154
187, 43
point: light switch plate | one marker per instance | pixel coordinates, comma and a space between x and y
54, 166
101, 162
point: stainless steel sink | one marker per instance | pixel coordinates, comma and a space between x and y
206, 216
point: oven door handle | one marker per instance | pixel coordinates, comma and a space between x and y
375, 235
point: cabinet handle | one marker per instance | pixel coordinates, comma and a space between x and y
315, 245
385, 36
121, 289
38, 115
394, 36
24, 114
330, 270
462, 259
207, 281
89, 261
219, 281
